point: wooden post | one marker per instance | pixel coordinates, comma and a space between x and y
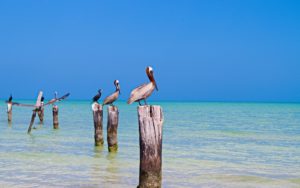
98, 118
112, 128
150, 129
41, 114
32, 121
37, 109
55, 117
9, 112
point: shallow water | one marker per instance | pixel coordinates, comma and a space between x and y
204, 145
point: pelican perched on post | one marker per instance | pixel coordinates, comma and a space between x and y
97, 97
114, 96
144, 91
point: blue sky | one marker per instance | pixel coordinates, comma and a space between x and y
200, 50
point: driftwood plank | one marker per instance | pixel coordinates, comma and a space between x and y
38, 100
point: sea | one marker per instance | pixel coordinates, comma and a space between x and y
205, 144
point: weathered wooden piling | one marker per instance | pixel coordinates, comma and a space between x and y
150, 131
41, 114
55, 117
32, 121
112, 128
98, 123
9, 112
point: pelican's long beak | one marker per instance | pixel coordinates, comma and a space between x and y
118, 88
151, 77
155, 85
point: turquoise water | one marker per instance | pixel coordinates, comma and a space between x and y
204, 145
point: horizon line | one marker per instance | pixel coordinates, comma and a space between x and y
187, 101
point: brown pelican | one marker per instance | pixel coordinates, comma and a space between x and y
97, 97
114, 96
144, 91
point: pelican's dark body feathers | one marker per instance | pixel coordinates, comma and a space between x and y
10, 98
97, 97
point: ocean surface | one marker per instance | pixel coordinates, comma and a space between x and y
204, 145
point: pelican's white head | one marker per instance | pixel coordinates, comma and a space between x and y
116, 82
150, 69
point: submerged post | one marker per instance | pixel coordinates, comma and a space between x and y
32, 121
150, 131
112, 128
9, 112
55, 117
98, 118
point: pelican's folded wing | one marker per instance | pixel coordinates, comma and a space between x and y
134, 95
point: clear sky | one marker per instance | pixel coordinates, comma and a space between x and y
200, 50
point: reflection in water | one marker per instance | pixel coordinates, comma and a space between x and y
112, 166
112, 174
40, 125
98, 151
32, 138
104, 169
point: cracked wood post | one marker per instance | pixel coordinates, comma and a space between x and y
55, 117
32, 120
9, 112
41, 114
98, 122
150, 131
112, 128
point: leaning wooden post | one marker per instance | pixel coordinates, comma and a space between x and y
98, 118
150, 131
9, 112
55, 117
32, 120
112, 128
